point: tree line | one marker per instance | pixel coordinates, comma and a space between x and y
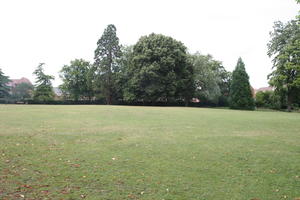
158, 70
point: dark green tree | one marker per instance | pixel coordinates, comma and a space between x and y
43, 91
106, 62
159, 71
241, 96
284, 48
4, 89
75, 79
22, 91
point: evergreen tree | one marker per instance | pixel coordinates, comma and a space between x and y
4, 89
106, 62
43, 89
240, 90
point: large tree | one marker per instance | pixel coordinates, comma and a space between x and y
43, 91
107, 54
4, 89
159, 71
284, 48
211, 79
241, 96
75, 79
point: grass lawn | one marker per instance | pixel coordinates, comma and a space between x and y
119, 152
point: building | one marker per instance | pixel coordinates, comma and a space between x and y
14, 82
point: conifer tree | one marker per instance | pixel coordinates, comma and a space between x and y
240, 90
43, 89
106, 56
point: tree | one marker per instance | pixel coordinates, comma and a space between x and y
22, 91
43, 89
211, 80
106, 61
123, 75
160, 71
206, 79
284, 47
240, 90
4, 89
75, 79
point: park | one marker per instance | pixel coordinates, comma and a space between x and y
150, 100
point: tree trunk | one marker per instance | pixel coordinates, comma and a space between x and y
186, 102
289, 103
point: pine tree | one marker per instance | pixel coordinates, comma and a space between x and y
106, 55
240, 89
43, 91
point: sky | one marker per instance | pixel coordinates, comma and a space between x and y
57, 31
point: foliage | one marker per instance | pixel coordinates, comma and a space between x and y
43, 89
76, 79
284, 47
107, 54
268, 99
159, 71
4, 89
211, 79
123, 74
240, 89
22, 91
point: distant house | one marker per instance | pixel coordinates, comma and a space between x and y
264, 89
14, 82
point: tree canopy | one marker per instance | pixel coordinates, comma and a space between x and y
284, 48
160, 71
75, 79
210, 79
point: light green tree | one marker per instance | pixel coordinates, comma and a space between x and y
284, 48
75, 79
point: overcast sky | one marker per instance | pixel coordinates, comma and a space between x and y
57, 31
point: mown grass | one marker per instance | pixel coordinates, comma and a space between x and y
118, 152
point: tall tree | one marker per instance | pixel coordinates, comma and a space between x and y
211, 79
241, 96
43, 89
107, 54
159, 71
4, 89
206, 78
284, 48
75, 79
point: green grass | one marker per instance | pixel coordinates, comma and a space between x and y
119, 152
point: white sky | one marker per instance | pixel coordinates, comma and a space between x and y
57, 31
